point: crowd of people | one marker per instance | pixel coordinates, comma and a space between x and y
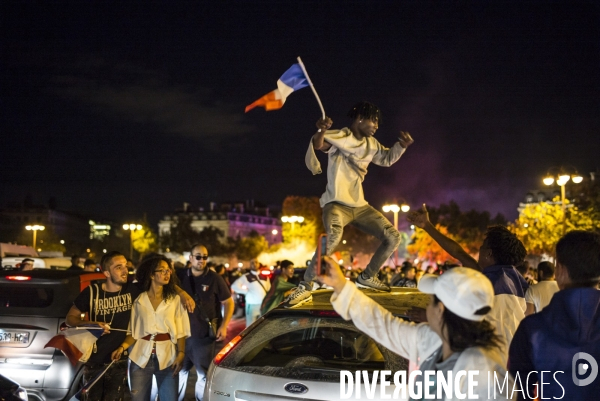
494, 314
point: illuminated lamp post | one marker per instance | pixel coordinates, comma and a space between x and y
273, 234
35, 229
561, 179
131, 227
404, 207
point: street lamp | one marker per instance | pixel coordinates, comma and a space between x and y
35, 229
561, 180
404, 207
131, 227
292, 219
273, 234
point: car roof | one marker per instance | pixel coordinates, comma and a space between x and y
398, 301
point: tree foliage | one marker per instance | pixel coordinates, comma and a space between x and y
424, 247
251, 246
144, 240
469, 227
309, 230
540, 225
182, 237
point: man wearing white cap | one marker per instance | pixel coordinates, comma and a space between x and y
456, 337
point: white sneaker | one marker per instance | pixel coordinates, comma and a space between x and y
299, 297
372, 283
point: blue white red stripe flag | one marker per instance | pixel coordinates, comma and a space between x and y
291, 80
77, 343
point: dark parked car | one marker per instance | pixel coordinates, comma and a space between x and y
33, 306
299, 352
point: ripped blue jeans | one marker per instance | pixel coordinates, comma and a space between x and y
367, 219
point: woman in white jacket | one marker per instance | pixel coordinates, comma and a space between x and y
159, 326
456, 338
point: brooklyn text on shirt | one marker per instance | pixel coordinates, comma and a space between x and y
114, 304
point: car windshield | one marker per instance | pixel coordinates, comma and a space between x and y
309, 348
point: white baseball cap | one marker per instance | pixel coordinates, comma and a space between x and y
463, 291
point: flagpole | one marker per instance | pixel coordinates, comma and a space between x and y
97, 328
311, 86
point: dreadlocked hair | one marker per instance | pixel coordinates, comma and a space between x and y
506, 248
365, 110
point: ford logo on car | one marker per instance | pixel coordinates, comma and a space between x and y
296, 388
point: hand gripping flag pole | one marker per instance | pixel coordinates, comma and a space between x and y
293, 79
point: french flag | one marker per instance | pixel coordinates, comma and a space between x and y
76, 343
291, 80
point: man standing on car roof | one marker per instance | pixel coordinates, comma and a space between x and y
109, 305
350, 151
211, 293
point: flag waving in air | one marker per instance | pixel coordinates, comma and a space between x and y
291, 80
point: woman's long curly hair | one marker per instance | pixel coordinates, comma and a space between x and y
146, 270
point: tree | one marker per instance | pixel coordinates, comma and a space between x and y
540, 225
309, 230
425, 248
144, 240
181, 236
469, 227
251, 246
358, 241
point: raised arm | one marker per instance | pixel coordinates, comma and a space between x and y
420, 218
386, 157
318, 138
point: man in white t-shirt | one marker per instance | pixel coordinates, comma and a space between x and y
538, 296
350, 150
254, 287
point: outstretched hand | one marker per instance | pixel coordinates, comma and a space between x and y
405, 139
333, 276
419, 217
324, 124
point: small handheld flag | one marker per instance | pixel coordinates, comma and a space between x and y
295, 78
76, 343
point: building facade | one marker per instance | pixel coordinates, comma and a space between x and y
233, 219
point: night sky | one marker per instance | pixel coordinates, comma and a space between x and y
119, 109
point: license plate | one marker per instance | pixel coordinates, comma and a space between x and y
14, 337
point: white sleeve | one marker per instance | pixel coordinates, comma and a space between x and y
529, 296
238, 284
386, 157
403, 338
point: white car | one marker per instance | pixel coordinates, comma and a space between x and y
298, 353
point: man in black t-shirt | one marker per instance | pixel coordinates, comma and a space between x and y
210, 292
109, 305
